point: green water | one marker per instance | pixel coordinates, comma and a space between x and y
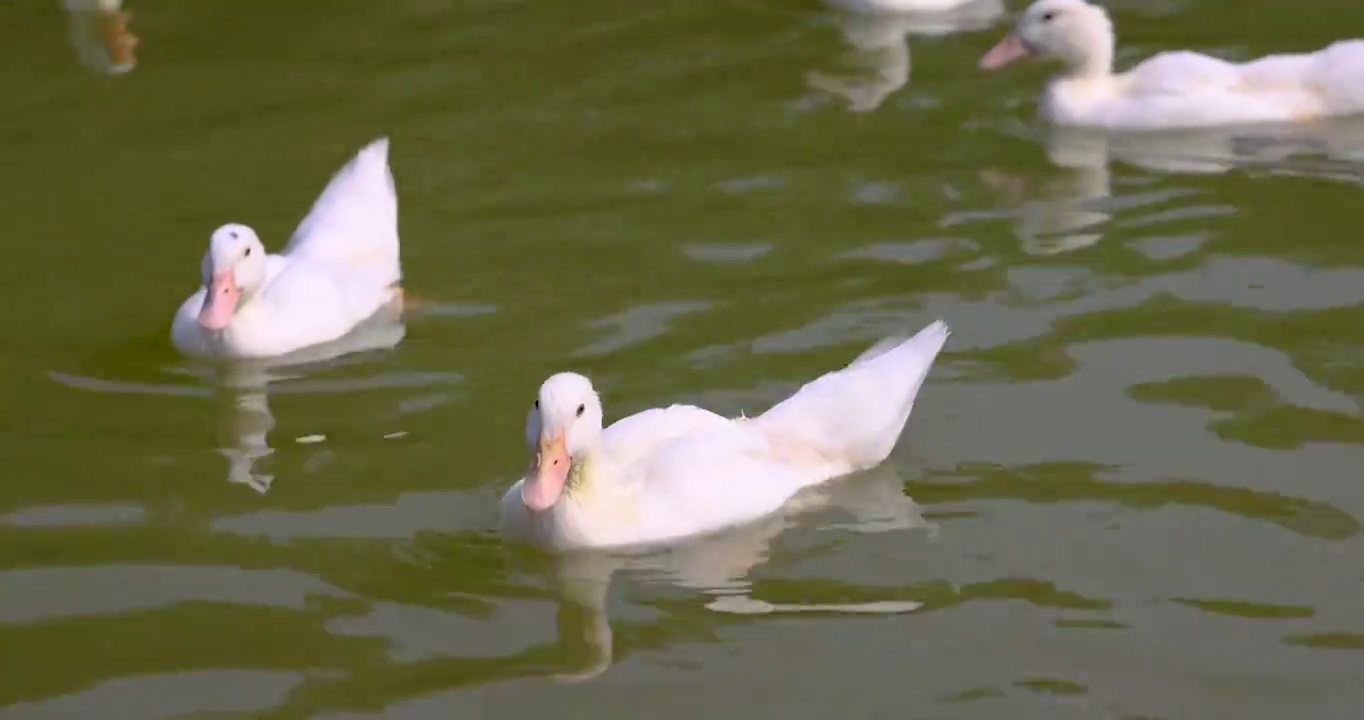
1130, 488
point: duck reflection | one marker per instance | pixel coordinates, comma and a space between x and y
1065, 211
243, 390
1069, 211
99, 31
717, 565
1287, 149
878, 35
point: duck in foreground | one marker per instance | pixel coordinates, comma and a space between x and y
1180, 89
669, 473
340, 268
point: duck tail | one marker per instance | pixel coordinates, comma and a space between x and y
854, 416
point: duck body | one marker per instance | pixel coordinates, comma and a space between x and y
1178, 89
279, 320
670, 473
645, 486
340, 268
1187, 89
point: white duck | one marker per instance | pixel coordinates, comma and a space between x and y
669, 473
340, 268
1179, 89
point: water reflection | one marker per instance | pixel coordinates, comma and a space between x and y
1066, 213
247, 422
99, 32
1069, 211
719, 564
1057, 482
242, 391
879, 44
1326, 149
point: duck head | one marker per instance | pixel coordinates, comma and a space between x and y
1075, 32
562, 429
232, 270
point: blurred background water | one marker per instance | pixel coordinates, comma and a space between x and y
1130, 488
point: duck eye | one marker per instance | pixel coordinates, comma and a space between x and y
248, 252
581, 408
1048, 17
537, 404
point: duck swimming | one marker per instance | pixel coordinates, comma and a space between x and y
1178, 89
669, 473
340, 268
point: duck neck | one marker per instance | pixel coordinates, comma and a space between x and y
579, 484
1097, 64
1092, 49
249, 298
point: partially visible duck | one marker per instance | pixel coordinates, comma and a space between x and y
877, 31
1179, 89
99, 31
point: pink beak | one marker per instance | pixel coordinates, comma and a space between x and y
220, 303
548, 474
1009, 49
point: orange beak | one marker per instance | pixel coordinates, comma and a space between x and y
117, 39
220, 303
548, 474
1009, 49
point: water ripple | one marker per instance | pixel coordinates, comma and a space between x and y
43, 594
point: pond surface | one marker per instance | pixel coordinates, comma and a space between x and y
1129, 489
